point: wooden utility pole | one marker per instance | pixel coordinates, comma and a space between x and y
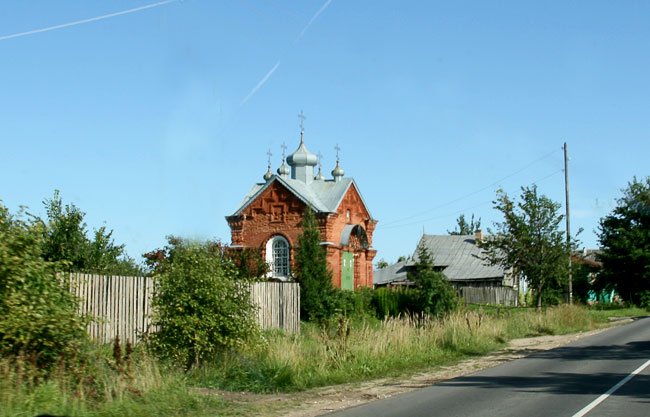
568, 220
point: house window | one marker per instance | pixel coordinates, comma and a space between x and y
277, 256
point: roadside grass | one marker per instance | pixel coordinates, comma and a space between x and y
101, 389
342, 351
349, 351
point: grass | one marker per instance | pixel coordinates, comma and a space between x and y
147, 389
343, 351
348, 351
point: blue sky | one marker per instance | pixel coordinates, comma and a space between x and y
157, 121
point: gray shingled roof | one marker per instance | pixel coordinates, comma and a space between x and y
321, 196
459, 256
396, 272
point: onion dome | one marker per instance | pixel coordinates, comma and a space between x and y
284, 169
337, 172
302, 157
268, 174
320, 175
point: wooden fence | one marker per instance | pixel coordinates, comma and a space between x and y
123, 305
489, 295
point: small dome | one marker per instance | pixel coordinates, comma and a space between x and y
320, 175
284, 169
338, 171
302, 156
268, 174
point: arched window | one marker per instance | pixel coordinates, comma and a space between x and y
277, 256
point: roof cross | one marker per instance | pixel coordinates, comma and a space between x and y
338, 150
270, 155
320, 157
302, 118
284, 150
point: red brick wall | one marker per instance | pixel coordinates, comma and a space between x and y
279, 211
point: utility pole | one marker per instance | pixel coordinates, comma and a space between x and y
568, 220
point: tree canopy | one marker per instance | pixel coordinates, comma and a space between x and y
65, 238
529, 242
624, 236
464, 228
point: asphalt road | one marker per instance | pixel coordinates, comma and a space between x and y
557, 382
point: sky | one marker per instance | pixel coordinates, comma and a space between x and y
155, 118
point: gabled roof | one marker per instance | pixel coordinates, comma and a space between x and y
321, 196
459, 256
397, 272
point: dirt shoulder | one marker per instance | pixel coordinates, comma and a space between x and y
324, 400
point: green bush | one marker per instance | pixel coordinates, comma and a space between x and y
357, 304
38, 314
436, 296
202, 307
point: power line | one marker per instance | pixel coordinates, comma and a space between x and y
384, 225
394, 226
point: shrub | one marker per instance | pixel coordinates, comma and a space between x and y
357, 304
436, 296
202, 307
318, 298
38, 314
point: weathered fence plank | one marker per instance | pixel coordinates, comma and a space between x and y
122, 305
489, 295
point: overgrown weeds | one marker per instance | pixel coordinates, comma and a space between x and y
346, 351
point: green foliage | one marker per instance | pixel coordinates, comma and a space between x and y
386, 302
202, 307
436, 296
249, 263
357, 304
582, 275
530, 242
624, 236
318, 298
381, 264
38, 314
65, 239
395, 301
464, 228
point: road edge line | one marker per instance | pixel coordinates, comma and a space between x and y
613, 389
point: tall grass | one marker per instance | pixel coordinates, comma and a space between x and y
344, 351
348, 351
100, 389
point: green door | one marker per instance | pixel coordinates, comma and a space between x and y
347, 271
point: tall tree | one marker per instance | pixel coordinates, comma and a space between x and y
464, 228
624, 236
530, 242
317, 294
65, 238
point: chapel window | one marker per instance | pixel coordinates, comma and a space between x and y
277, 256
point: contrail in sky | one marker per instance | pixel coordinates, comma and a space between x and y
268, 74
261, 83
314, 17
92, 19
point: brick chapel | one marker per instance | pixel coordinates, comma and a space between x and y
269, 219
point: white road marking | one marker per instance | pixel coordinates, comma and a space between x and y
603, 397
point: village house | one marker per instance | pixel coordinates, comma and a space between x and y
269, 219
459, 258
